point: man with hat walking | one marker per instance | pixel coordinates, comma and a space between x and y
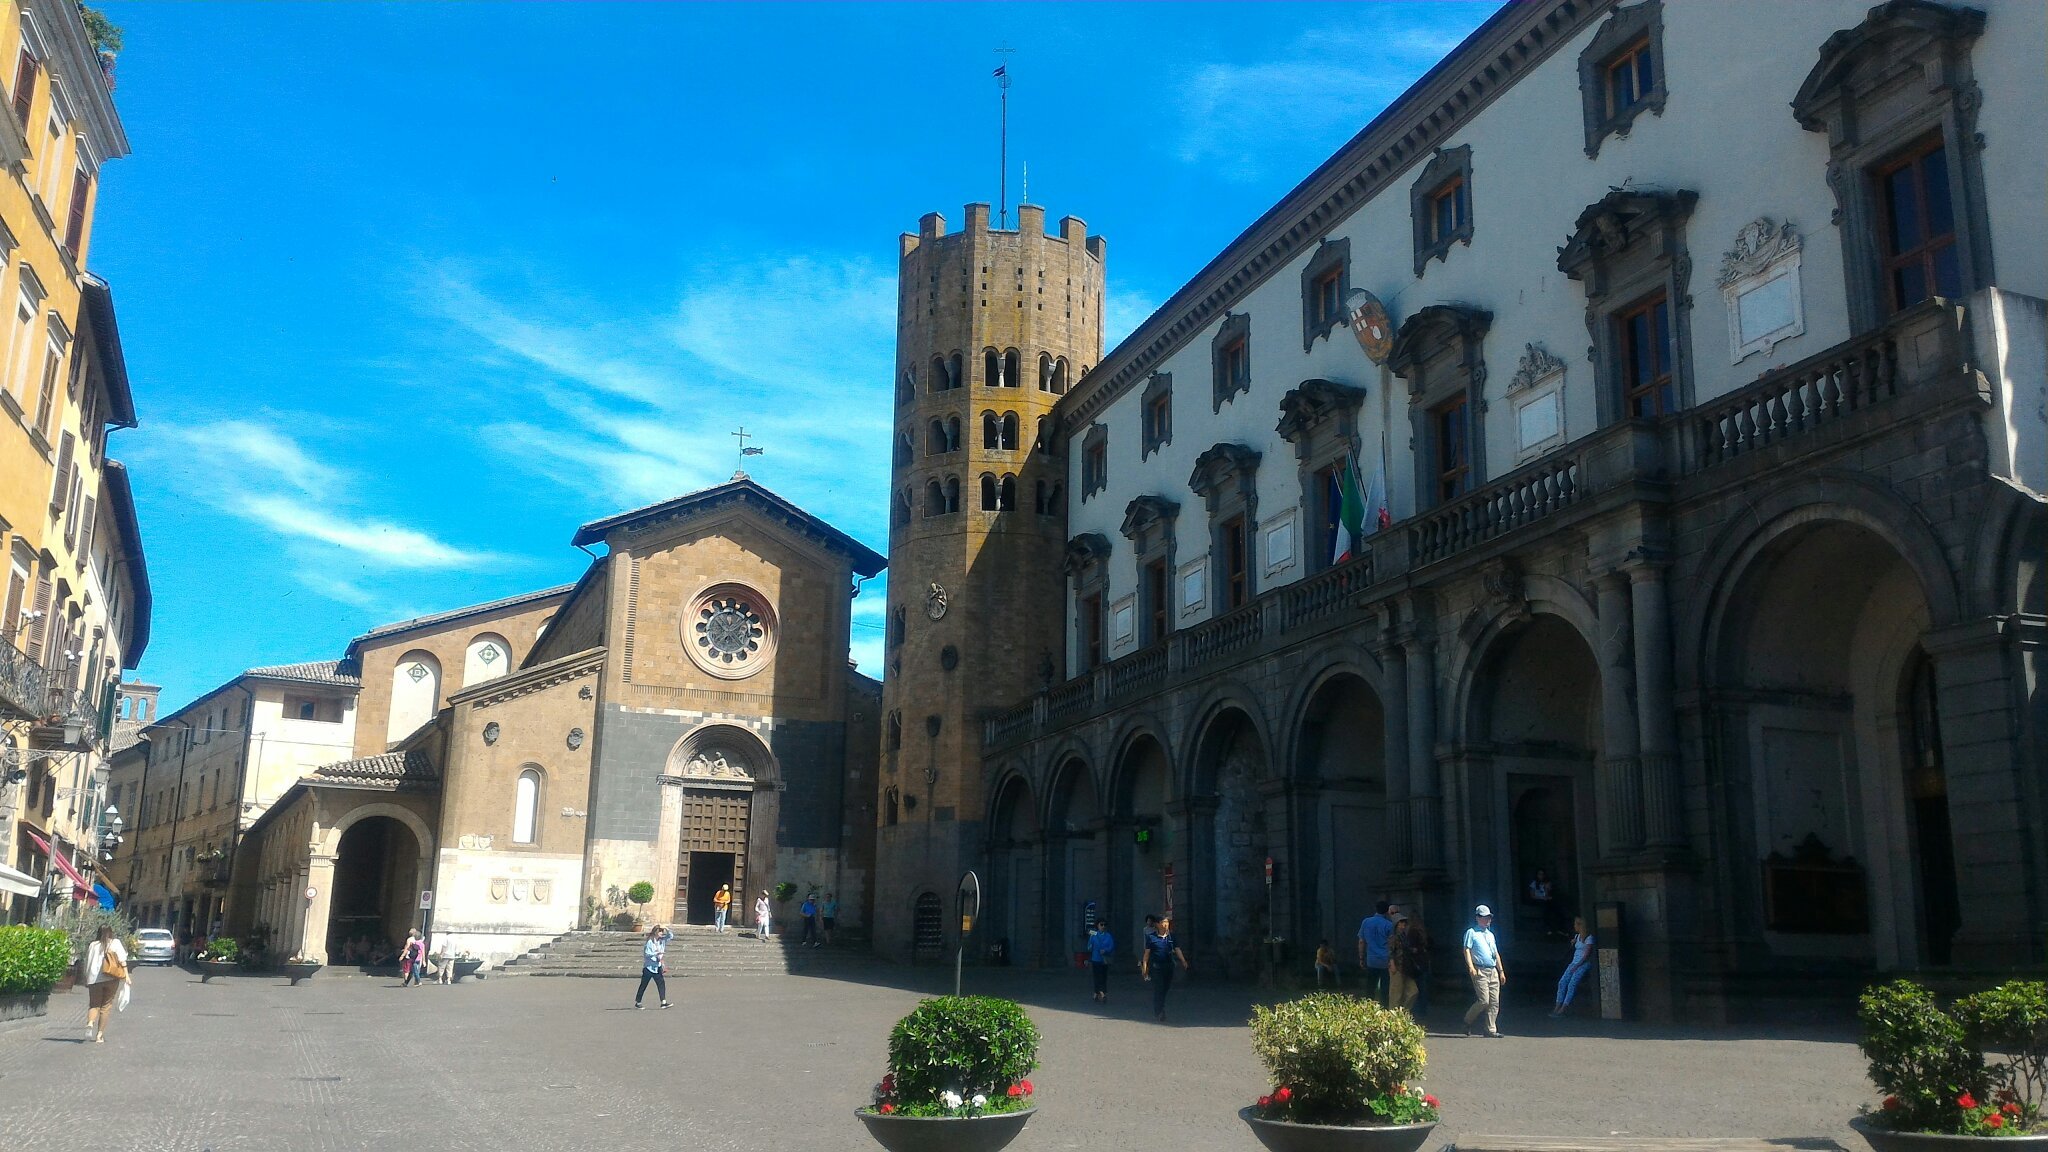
1483, 963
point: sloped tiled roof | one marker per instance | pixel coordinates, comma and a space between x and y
741, 488
339, 673
459, 613
395, 771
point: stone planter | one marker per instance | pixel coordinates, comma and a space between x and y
467, 968
298, 972
16, 1006
1281, 1136
1884, 1140
945, 1133
208, 969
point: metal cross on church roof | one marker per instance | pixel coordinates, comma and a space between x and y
743, 436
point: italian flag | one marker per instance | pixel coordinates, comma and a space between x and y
1350, 512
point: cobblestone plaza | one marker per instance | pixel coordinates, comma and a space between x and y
770, 1062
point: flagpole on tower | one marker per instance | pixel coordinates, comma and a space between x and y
1003, 144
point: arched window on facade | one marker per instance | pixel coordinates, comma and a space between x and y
1013, 368
1059, 376
991, 431
937, 380
906, 389
956, 371
991, 368
906, 450
1041, 438
487, 658
934, 500
1006, 494
952, 494
900, 513
415, 693
1045, 499
935, 439
1045, 371
526, 807
952, 433
988, 492
1008, 440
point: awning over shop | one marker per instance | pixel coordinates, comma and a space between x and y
18, 882
81, 888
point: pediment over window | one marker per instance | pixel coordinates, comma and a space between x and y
1147, 513
1433, 331
1221, 466
1084, 552
1312, 402
1620, 221
1894, 37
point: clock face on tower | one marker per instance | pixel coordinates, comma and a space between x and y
730, 631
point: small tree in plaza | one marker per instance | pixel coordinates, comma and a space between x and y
640, 894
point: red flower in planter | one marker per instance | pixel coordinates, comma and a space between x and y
1016, 1090
1966, 1101
886, 1108
1283, 1094
2010, 1109
1429, 1100
1026, 1085
1994, 1121
889, 1083
1265, 1102
1891, 1104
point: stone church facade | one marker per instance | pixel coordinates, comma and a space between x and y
1711, 579
684, 714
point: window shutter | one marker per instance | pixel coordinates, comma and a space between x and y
17, 587
71, 508
74, 223
85, 526
24, 88
39, 627
62, 491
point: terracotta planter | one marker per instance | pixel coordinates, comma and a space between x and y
208, 969
945, 1133
1281, 1136
1885, 1140
298, 972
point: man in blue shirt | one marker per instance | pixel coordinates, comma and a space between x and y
1484, 965
1101, 946
1373, 934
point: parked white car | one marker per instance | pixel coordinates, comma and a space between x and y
157, 946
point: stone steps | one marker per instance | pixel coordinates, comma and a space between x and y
694, 952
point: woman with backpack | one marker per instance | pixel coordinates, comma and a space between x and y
412, 960
106, 981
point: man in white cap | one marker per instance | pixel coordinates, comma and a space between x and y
1483, 962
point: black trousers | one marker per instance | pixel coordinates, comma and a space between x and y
1162, 982
660, 985
1101, 978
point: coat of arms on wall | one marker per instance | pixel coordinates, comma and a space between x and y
1370, 323
936, 601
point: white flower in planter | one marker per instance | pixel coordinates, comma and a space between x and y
950, 1099
980, 1101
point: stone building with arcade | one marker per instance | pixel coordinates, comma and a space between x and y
684, 714
1707, 396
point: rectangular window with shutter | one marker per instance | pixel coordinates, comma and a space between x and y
74, 221
85, 526
17, 588
24, 88
46, 396
61, 492
39, 626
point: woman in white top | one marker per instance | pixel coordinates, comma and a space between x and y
106, 980
761, 917
1582, 962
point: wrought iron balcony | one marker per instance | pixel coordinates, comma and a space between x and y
22, 689
69, 720
1870, 383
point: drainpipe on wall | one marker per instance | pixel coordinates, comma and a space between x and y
241, 796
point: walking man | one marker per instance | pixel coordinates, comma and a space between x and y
1373, 933
721, 906
809, 911
761, 909
829, 911
1483, 963
654, 965
1156, 965
1101, 950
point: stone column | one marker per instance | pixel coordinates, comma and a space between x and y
1424, 821
1394, 711
1657, 730
313, 930
668, 845
1621, 801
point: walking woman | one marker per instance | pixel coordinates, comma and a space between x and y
654, 965
722, 906
1156, 965
106, 980
412, 960
1401, 983
1582, 961
761, 916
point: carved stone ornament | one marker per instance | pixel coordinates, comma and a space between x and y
543, 890
1760, 244
491, 732
714, 766
500, 887
575, 739
936, 601
1503, 582
1537, 363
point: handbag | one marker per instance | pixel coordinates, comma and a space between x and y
111, 965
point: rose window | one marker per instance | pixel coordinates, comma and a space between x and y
729, 630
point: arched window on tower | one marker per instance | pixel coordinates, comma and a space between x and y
952, 494
900, 514
937, 381
1006, 494
906, 448
526, 807
988, 492
934, 500
1045, 371
952, 433
1059, 376
935, 439
1042, 438
991, 432
1008, 442
906, 390
957, 374
991, 368
1013, 368
1038, 497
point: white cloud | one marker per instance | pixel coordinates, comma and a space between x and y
1127, 308
376, 542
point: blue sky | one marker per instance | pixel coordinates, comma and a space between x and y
409, 292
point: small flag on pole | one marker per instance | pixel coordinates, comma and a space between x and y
1376, 500
1002, 70
1350, 513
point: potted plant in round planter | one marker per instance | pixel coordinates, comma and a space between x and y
32, 960
297, 968
1342, 1069
222, 956
640, 893
957, 1077
466, 965
1940, 1093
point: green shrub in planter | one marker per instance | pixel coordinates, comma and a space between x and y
223, 948
952, 1051
1930, 1063
32, 959
82, 923
1338, 1059
784, 891
2012, 1019
640, 894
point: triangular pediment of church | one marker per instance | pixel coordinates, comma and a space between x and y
696, 514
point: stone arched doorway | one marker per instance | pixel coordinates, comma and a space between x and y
1340, 766
717, 822
1075, 861
1828, 712
381, 866
1013, 854
1534, 751
1228, 843
1146, 844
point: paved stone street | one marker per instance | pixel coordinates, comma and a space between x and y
774, 1061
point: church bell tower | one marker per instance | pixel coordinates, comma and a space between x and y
992, 328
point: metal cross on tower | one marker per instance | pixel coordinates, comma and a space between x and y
743, 436
1003, 145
